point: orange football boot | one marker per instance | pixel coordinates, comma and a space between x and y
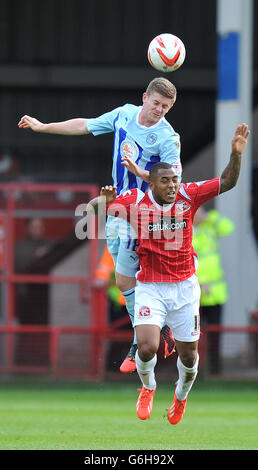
145, 402
129, 364
176, 411
170, 344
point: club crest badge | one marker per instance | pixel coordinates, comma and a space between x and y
128, 148
144, 311
181, 207
151, 138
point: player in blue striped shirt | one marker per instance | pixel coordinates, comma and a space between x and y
144, 135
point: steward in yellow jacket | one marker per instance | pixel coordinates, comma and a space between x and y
209, 227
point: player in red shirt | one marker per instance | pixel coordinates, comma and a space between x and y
167, 288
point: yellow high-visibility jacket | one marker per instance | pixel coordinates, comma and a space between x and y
206, 244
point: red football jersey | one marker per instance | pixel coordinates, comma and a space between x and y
165, 232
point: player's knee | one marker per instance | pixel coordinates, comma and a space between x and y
188, 357
147, 350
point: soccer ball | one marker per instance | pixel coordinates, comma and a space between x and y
166, 52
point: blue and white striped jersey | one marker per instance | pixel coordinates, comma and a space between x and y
144, 145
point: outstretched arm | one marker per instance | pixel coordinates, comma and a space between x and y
76, 126
231, 173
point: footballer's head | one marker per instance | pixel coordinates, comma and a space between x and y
164, 183
158, 99
163, 87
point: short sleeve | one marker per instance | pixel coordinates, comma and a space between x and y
200, 192
206, 190
104, 123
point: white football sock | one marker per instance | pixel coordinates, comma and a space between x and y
146, 371
186, 378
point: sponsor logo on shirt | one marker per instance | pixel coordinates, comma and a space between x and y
167, 223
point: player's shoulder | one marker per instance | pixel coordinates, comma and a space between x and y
129, 108
169, 138
168, 129
187, 190
132, 196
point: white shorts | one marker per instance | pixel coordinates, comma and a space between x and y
175, 304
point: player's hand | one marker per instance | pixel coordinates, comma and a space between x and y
109, 192
240, 138
28, 122
130, 165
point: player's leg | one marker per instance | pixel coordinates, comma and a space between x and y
148, 337
187, 354
126, 265
185, 324
126, 285
149, 318
187, 364
126, 268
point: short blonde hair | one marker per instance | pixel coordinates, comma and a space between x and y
162, 86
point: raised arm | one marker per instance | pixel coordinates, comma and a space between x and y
231, 173
76, 126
